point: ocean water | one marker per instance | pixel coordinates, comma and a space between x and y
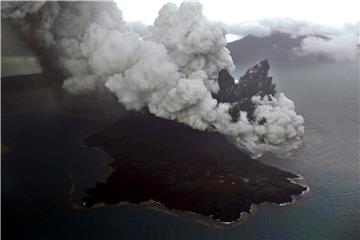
44, 131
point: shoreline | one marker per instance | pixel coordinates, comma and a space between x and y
188, 215
230, 190
209, 221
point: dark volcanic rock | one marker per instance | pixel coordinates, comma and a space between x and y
183, 169
255, 82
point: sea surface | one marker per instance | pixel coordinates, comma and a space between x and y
48, 167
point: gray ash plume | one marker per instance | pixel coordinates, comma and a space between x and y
172, 71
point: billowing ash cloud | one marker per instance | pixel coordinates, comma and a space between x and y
335, 43
20, 10
192, 41
172, 71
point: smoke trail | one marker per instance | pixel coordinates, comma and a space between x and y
172, 71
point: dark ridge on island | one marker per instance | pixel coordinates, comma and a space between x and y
184, 169
30, 81
254, 82
275, 47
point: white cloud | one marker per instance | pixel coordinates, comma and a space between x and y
339, 48
336, 43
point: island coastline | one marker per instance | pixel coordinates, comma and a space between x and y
105, 192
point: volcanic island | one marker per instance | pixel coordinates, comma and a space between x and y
186, 169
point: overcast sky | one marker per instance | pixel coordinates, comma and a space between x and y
244, 17
334, 13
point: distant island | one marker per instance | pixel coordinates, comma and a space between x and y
184, 169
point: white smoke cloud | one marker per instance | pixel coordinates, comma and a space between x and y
282, 122
139, 27
192, 41
341, 46
335, 43
172, 71
265, 27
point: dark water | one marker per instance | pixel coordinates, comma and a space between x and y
45, 129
